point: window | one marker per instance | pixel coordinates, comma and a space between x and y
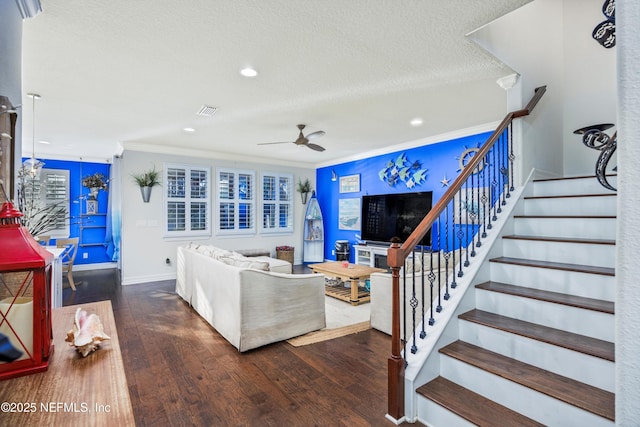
277, 203
187, 201
236, 202
46, 195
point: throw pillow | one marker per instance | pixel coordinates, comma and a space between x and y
244, 263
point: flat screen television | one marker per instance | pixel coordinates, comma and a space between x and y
394, 215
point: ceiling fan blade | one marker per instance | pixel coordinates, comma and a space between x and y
315, 134
315, 147
270, 143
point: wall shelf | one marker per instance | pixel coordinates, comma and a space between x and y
313, 237
93, 229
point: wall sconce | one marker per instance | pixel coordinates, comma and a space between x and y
334, 175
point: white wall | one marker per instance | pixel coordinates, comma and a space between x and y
628, 244
548, 42
11, 62
589, 82
144, 250
529, 40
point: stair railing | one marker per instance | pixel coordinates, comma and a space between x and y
461, 218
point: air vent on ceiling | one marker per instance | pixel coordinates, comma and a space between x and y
206, 111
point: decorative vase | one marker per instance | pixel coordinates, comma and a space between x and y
93, 193
146, 193
304, 196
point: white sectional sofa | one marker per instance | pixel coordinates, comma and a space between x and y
246, 302
381, 291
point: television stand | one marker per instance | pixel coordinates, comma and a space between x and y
371, 255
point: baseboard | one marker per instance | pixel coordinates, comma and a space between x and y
146, 279
96, 266
544, 174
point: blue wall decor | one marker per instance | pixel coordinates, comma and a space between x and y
402, 170
440, 159
91, 228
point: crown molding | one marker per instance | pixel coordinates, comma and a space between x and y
443, 137
206, 154
29, 8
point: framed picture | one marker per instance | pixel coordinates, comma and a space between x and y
350, 183
92, 207
349, 214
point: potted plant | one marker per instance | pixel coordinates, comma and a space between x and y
95, 183
304, 188
147, 180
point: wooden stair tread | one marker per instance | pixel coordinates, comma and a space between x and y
548, 296
561, 239
605, 271
570, 196
567, 178
580, 343
584, 396
471, 406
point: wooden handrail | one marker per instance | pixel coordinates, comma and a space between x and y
426, 223
397, 254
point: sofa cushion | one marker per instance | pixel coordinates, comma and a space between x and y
242, 262
277, 265
254, 252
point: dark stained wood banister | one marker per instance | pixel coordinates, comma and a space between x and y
397, 254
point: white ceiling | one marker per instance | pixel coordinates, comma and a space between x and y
136, 72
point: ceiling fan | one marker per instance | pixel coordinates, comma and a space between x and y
303, 140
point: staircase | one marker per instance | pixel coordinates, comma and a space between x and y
538, 348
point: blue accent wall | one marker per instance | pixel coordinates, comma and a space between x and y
441, 160
94, 226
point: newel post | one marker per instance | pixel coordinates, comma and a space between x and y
395, 363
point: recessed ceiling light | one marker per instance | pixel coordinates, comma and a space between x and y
416, 122
44, 142
190, 130
248, 72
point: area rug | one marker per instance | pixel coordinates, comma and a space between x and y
342, 319
329, 334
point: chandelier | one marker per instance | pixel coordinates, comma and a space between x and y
33, 166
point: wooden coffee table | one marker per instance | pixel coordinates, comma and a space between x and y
352, 272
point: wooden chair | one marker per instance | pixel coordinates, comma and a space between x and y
68, 257
44, 240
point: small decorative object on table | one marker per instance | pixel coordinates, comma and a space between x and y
87, 333
285, 253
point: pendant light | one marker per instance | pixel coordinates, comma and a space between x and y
33, 166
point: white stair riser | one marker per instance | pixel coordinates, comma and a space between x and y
571, 206
522, 399
438, 416
572, 319
567, 282
572, 186
562, 361
573, 253
588, 228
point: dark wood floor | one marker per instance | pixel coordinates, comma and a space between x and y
180, 371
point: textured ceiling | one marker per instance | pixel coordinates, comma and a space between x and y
136, 73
